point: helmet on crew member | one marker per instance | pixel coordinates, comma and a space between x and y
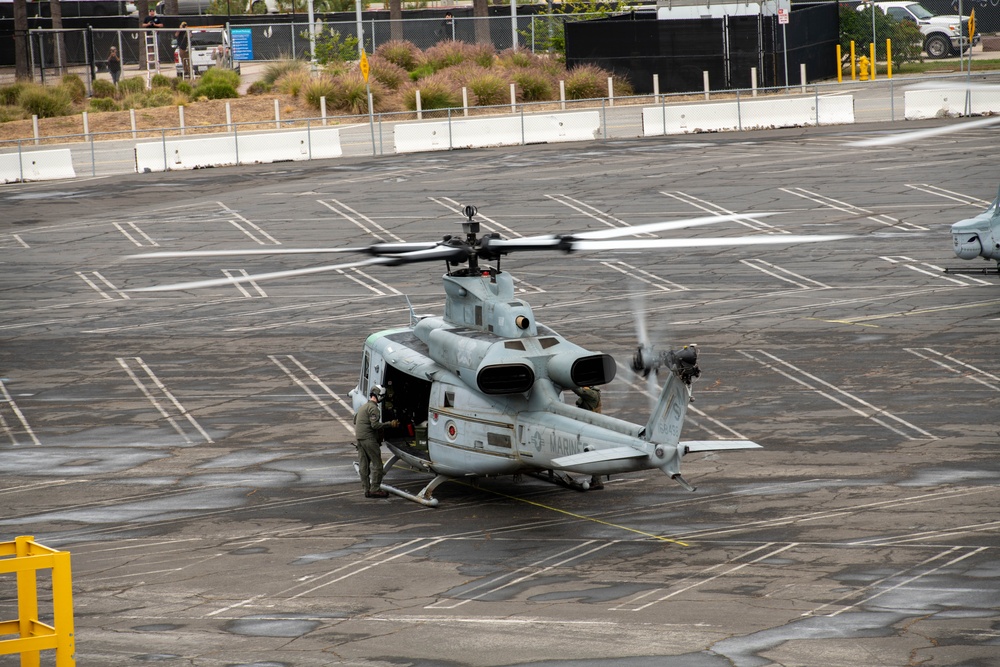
377, 392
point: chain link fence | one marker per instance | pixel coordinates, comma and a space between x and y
132, 148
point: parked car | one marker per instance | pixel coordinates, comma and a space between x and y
209, 48
942, 34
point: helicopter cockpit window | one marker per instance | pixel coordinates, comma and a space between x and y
547, 342
449, 399
364, 374
514, 345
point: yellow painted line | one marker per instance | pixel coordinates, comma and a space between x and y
577, 516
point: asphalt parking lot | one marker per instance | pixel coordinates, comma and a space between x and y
192, 450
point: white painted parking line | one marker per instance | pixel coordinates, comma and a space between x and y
324, 388
143, 240
773, 270
592, 212
535, 569
851, 209
125, 363
9, 400
932, 270
977, 374
121, 294
643, 276
245, 226
360, 220
907, 582
241, 273
703, 577
949, 194
715, 209
810, 381
373, 279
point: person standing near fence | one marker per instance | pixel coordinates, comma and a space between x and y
183, 37
114, 65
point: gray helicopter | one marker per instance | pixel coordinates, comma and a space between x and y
477, 392
979, 237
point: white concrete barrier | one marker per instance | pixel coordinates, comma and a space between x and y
239, 149
36, 166
920, 104
752, 114
496, 131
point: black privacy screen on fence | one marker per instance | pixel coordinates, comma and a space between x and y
679, 51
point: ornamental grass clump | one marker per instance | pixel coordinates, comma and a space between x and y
436, 92
586, 82
401, 52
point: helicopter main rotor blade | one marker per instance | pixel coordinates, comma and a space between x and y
637, 244
917, 135
559, 242
374, 249
219, 282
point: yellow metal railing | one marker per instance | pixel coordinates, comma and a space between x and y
35, 636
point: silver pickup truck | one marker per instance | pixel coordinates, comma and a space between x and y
942, 34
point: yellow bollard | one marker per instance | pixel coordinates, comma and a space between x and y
840, 66
863, 66
872, 65
888, 58
854, 76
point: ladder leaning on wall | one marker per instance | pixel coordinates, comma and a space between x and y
152, 57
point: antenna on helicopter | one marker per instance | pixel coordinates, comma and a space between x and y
471, 229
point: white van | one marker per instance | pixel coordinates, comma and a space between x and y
209, 47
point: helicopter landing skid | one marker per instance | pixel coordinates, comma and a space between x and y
424, 497
985, 271
562, 479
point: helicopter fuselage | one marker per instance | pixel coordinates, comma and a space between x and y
978, 236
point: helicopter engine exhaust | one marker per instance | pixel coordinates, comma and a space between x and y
573, 370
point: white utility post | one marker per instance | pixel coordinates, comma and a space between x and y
312, 34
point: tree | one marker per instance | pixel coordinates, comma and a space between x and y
856, 26
55, 8
21, 68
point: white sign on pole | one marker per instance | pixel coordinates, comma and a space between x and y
782, 16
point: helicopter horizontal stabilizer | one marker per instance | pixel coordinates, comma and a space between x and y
597, 456
717, 445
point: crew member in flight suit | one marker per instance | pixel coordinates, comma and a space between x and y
367, 428
590, 399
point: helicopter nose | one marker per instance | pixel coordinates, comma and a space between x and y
967, 246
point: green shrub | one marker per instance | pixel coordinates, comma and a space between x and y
131, 85
292, 83
401, 52
158, 97
533, 86
586, 82
489, 88
388, 73
10, 93
435, 93
103, 104
46, 102
623, 87
133, 101
446, 54
11, 112
351, 95
422, 72
220, 75
276, 70
259, 88
104, 89
161, 81
74, 85
183, 87
315, 89
483, 55
215, 90
513, 58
